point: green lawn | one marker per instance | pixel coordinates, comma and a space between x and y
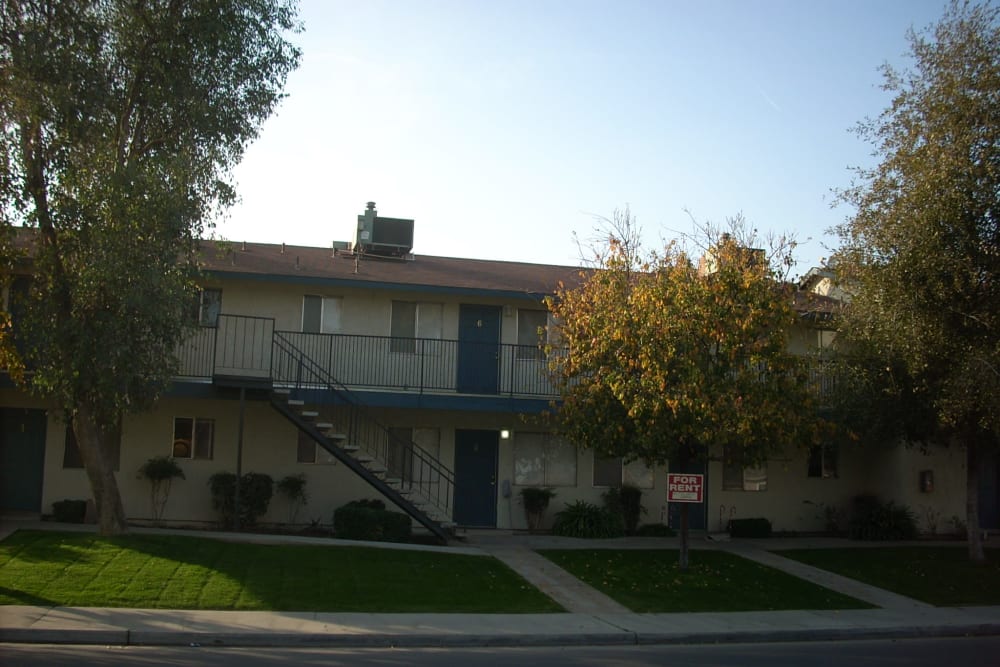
170, 572
934, 574
648, 580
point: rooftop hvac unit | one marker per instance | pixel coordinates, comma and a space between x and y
389, 237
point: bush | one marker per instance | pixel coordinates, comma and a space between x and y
626, 501
535, 501
255, 496
69, 511
655, 530
293, 489
871, 519
758, 527
587, 520
369, 520
160, 472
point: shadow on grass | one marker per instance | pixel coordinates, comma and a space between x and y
175, 572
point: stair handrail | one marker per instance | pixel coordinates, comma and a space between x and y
288, 349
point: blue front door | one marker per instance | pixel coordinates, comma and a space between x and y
478, 349
22, 458
476, 478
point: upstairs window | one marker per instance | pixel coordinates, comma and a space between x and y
530, 333
410, 321
207, 307
321, 314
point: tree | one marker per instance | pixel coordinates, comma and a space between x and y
669, 362
922, 251
121, 123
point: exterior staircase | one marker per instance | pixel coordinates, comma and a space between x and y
338, 421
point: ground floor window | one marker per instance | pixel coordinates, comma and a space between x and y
613, 471
194, 438
402, 461
542, 459
823, 461
737, 477
309, 451
71, 450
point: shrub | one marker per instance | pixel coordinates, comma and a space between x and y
69, 511
587, 520
369, 520
535, 501
293, 489
160, 472
255, 496
626, 501
871, 519
756, 527
655, 530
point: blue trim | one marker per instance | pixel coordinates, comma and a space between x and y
373, 284
385, 399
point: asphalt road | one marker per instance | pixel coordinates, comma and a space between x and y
976, 651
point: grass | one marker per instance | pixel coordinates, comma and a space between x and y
938, 575
649, 581
171, 572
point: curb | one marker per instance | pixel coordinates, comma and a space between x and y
123, 637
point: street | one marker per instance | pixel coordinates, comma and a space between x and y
978, 651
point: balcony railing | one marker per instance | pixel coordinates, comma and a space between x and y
243, 346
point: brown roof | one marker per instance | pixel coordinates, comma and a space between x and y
297, 262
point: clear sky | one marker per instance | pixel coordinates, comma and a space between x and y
502, 127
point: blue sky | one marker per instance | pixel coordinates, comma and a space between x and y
503, 127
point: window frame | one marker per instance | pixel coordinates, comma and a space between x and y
828, 464
324, 303
625, 476
548, 443
406, 342
747, 475
531, 351
196, 451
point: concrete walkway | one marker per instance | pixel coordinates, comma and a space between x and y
592, 618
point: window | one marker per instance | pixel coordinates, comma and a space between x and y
194, 438
401, 459
541, 459
736, 477
207, 307
823, 461
410, 321
611, 472
530, 333
71, 451
321, 314
309, 451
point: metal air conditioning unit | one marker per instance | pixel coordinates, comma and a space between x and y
384, 237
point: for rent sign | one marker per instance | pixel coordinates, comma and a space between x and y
683, 488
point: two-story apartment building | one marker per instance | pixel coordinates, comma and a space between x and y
414, 378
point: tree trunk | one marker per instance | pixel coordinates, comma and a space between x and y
684, 537
96, 441
974, 461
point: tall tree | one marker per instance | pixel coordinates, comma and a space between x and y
669, 361
921, 255
122, 120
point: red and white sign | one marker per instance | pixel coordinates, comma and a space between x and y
683, 488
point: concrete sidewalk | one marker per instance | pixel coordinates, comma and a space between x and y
592, 618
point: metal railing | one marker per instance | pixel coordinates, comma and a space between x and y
416, 469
